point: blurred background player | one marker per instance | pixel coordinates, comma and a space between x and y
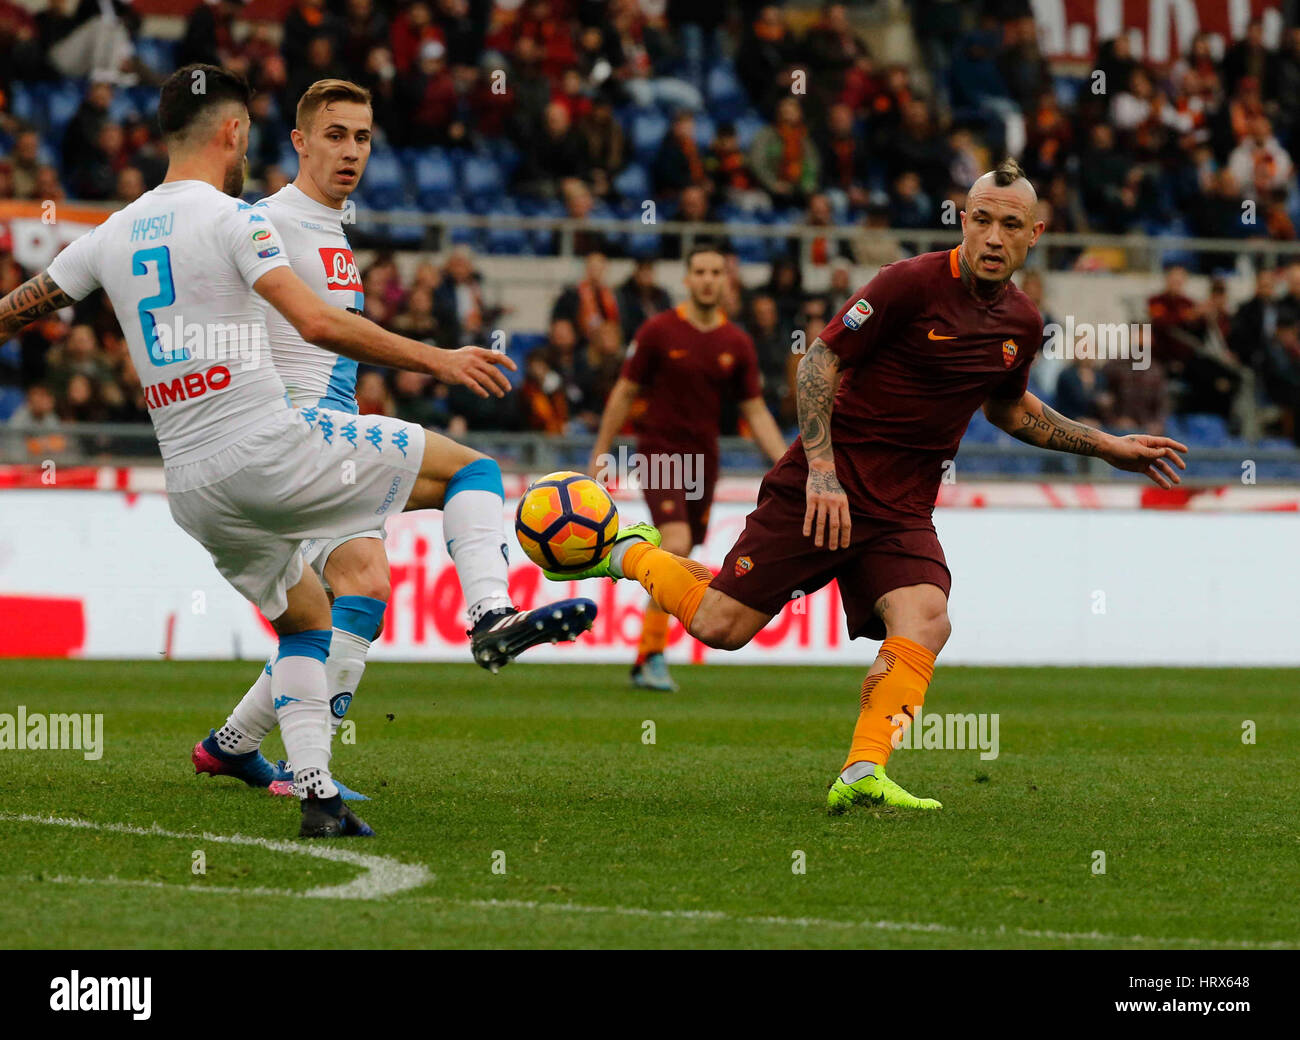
885, 393
332, 137
685, 364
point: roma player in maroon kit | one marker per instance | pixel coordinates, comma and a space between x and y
684, 363
885, 394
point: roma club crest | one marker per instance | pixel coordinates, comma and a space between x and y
1009, 350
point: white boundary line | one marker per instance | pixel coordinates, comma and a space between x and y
381, 876
385, 877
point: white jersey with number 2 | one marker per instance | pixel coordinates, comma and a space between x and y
179, 264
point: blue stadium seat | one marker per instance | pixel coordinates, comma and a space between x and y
408, 235
159, 55
633, 182
480, 177
62, 105
705, 130
647, 132
11, 399
1210, 431
435, 180
28, 104
505, 240
748, 124
384, 180
726, 96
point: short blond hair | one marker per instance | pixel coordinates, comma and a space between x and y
325, 92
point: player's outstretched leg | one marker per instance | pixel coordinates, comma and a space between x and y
466, 486
893, 690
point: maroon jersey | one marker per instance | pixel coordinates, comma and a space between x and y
685, 374
919, 355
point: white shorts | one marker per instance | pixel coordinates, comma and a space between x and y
309, 473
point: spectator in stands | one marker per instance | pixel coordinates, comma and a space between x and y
379, 76
542, 400
1256, 320
909, 205
363, 28
373, 397
24, 163
1082, 393
783, 157
870, 248
417, 319
568, 358
578, 205
832, 48
1136, 398
81, 136
307, 22
210, 33
1176, 321
558, 152
1248, 57
589, 303
1281, 372
42, 435
844, 155
785, 286
603, 135
679, 163
694, 209
773, 347
604, 363
1021, 63
458, 303
823, 249
95, 177
765, 50
727, 166
130, 185
78, 355
640, 298
1260, 165
417, 400
1289, 304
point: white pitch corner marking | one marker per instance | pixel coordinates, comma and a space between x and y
381, 876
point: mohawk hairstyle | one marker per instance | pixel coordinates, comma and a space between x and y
1008, 171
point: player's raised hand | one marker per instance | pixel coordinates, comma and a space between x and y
827, 516
1142, 453
474, 367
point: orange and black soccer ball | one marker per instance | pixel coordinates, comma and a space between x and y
566, 522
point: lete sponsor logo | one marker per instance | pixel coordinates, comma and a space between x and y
340, 268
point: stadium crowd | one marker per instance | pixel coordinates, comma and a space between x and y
722, 110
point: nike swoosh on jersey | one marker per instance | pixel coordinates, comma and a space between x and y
933, 336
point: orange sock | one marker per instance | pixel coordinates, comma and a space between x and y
895, 686
654, 633
675, 583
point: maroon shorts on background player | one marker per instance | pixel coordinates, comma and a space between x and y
679, 504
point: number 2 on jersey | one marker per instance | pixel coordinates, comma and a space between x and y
165, 297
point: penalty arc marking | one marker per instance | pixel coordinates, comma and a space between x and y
380, 875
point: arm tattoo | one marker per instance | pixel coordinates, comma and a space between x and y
816, 382
35, 298
1051, 429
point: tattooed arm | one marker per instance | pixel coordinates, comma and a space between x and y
34, 299
1030, 420
828, 506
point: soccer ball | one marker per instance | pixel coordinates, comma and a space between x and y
566, 522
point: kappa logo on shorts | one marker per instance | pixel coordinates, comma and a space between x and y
1009, 350
857, 314
743, 566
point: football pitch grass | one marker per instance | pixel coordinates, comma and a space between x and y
529, 810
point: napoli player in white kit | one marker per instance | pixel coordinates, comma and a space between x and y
249, 476
332, 136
